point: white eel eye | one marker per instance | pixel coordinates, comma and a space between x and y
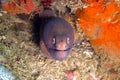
53, 40
68, 40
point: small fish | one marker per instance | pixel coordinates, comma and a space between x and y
56, 35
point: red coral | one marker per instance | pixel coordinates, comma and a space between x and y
100, 22
46, 3
24, 6
15, 7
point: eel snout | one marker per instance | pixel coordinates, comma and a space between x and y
61, 45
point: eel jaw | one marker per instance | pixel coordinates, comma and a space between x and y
59, 54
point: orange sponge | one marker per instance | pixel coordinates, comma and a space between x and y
100, 21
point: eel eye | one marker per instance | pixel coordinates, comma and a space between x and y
53, 40
68, 40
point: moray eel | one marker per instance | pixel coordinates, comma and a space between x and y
54, 35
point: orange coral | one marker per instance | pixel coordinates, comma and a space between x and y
100, 21
21, 6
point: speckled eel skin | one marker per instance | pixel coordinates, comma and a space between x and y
6, 74
54, 35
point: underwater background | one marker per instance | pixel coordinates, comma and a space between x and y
95, 55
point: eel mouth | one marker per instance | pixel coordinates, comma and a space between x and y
61, 50
59, 54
